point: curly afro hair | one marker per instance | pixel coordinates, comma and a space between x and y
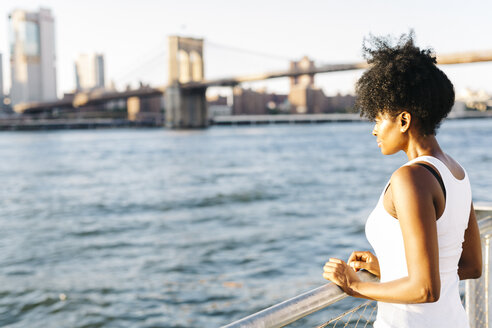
404, 78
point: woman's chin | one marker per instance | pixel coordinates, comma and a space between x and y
384, 150
388, 152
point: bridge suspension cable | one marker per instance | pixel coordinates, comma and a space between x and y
143, 64
247, 51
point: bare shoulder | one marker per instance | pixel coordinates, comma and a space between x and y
414, 190
414, 179
409, 175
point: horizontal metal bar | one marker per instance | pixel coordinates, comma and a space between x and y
298, 307
483, 207
484, 217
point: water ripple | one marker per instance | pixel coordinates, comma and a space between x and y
159, 228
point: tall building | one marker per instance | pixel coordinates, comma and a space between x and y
89, 72
32, 56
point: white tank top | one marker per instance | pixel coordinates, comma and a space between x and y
384, 234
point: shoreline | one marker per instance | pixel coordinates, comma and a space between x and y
23, 124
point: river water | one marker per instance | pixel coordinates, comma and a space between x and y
161, 228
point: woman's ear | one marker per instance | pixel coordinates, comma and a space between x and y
405, 118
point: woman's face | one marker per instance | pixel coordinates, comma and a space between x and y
389, 135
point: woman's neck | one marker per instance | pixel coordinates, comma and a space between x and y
423, 146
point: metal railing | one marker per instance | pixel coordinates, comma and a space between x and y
476, 296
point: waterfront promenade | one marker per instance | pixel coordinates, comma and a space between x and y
22, 124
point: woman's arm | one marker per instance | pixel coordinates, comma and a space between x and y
470, 264
413, 193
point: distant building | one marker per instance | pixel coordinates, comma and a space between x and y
217, 106
339, 103
475, 100
145, 108
33, 59
458, 109
216, 100
259, 102
278, 103
249, 102
89, 72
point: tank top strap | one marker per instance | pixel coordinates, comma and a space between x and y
441, 168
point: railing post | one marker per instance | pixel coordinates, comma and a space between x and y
487, 281
477, 296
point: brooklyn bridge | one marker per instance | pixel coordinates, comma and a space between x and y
185, 92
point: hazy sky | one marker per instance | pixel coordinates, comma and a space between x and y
133, 35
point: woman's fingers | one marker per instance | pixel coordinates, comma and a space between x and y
357, 265
331, 277
335, 266
363, 256
331, 266
369, 266
332, 272
335, 260
355, 260
341, 274
364, 260
333, 269
366, 257
354, 256
334, 263
327, 275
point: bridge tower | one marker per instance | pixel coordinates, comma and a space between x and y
185, 107
304, 97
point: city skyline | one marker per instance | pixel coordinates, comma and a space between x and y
326, 32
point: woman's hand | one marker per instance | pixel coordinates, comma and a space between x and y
338, 272
366, 261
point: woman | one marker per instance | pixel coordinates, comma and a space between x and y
423, 229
